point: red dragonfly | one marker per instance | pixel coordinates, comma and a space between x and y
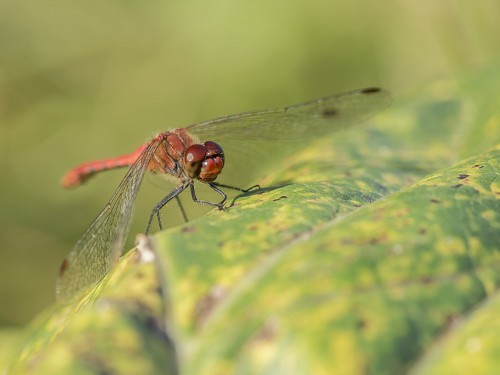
180, 154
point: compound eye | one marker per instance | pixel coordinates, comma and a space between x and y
214, 149
211, 168
193, 159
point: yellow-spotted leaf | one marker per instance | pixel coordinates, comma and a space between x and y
375, 251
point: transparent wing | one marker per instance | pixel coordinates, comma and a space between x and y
248, 139
100, 247
256, 143
303, 121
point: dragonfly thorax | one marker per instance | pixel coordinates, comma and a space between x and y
204, 161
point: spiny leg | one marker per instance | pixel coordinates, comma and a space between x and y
183, 212
156, 210
218, 205
235, 187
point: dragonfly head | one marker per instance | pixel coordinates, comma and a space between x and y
204, 161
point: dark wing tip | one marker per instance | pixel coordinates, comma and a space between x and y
329, 113
371, 90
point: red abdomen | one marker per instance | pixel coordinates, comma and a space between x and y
169, 150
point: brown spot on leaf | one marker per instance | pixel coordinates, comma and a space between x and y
434, 200
379, 239
205, 306
422, 231
158, 290
282, 197
426, 280
402, 212
477, 166
462, 176
449, 320
188, 229
266, 333
95, 362
361, 324
457, 186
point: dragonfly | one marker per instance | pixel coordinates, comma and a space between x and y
195, 154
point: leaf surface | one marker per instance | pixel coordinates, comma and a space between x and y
374, 251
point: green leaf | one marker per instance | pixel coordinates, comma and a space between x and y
375, 252
118, 328
471, 347
368, 289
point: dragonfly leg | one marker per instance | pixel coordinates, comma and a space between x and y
257, 186
159, 220
156, 210
218, 205
184, 216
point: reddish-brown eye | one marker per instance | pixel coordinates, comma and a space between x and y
214, 149
193, 159
211, 169
214, 162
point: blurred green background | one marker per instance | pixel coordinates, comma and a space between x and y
80, 81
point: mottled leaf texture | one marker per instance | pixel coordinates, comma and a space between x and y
374, 251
